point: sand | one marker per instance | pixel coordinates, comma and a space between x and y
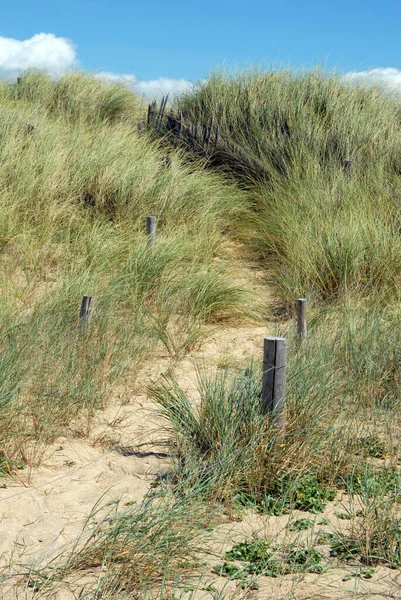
45, 508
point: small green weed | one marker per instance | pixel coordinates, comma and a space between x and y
300, 525
230, 570
362, 573
258, 558
343, 547
304, 493
7, 466
371, 446
249, 551
344, 516
306, 559
375, 481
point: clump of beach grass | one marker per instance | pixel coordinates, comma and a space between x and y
325, 231
77, 181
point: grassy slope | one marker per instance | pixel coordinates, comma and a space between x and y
325, 235
76, 182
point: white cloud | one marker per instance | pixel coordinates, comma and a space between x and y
42, 51
153, 88
53, 54
162, 86
387, 77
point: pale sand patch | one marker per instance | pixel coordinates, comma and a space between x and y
42, 508
39, 514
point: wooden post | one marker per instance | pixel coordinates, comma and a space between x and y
152, 108
301, 318
151, 229
274, 379
216, 138
86, 310
347, 166
179, 125
207, 135
159, 118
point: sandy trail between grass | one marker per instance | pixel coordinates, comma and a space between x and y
45, 508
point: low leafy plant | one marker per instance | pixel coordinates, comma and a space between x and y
230, 570
362, 573
259, 558
301, 525
255, 551
375, 481
371, 446
343, 516
306, 559
304, 493
9, 466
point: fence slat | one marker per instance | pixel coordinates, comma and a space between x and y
274, 379
86, 310
301, 319
151, 229
347, 163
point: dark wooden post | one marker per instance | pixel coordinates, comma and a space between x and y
152, 108
216, 138
151, 229
347, 166
274, 379
86, 311
179, 126
301, 319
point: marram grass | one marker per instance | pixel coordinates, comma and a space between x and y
75, 190
323, 231
76, 183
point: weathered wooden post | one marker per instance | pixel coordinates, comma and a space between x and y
274, 379
151, 229
301, 319
347, 163
86, 310
152, 108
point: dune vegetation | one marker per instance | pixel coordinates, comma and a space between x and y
324, 233
77, 180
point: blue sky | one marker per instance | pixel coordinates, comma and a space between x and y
178, 40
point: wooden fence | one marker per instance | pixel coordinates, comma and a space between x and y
204, 140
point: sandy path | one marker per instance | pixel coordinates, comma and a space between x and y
41, 511
45, 507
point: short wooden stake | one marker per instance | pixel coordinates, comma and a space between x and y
274, 379
301, 319
86, 311
151, 229
347, 163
